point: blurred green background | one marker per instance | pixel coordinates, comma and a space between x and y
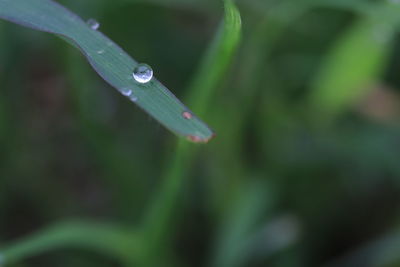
304, 170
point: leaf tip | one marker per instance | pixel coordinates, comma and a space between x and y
199, 140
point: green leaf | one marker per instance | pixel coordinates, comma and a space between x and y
111, 240
217, 59
354, 64
233, 246
109, 60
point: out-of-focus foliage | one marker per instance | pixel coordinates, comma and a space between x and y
304, 170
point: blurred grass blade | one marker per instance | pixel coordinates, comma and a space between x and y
109, 60
233, 241
354, 64
108, 239
215, 63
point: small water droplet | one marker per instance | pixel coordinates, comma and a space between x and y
142, 73
100, 52
133, 98
93, 24
126, 92
187, 115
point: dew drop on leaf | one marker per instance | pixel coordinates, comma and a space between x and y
126, 92
187, 115
142, 73
133, 98
93, 24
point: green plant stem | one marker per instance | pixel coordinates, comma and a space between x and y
103, 238
216, 60
158, 223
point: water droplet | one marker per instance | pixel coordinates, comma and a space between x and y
142, 73
93, 24
187, 115
126, 92
100, 52
133, 98
1, 260
394, 1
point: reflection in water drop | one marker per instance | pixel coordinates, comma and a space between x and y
133, 98
126, 92
93, 24
100, 52
143, 73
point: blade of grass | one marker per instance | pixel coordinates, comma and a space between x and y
232, 247
263, 35
252, 82
103, 238
109, 60
354, 64
157, 223
216, 61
